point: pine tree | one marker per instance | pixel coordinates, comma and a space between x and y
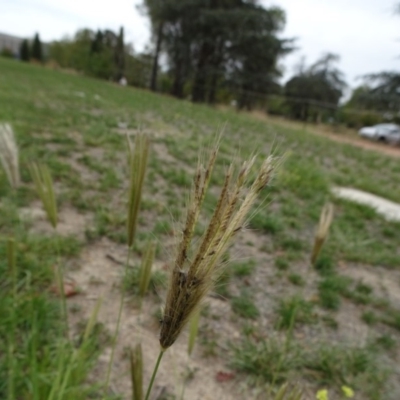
37, 49
120, 54
24, 51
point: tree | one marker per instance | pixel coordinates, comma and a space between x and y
37, 52
316, 88
154, 10
120, 55
254, 52
384, 91
218, 43
24, 51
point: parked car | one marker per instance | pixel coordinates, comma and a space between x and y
384, 132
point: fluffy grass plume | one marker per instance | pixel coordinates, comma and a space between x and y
136, 363
192, 278
44, 187
138, 156
321, 234
9, 155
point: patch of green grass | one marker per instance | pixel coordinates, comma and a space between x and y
282, 263
267, 361
392, 318
325, 264
330, 321
330, 290
244, 268
296, 279
109, 180
361, 294
291, 243
131, 280
222, 285
386, 342
369, 317
340, 365
244, 306
178, 177
107, 224
266, 222
292, 311
162, 227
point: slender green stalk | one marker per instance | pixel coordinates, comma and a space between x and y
12, 265
11, 367
154, 374
12, 336
59, 274
114, 341
136, 362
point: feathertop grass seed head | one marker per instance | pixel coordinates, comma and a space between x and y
44, 187
145, 268
191, 279
136, 364
322, 231
9, 155
138, 155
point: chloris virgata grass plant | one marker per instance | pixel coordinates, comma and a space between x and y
195, 270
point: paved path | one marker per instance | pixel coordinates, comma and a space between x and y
387, 208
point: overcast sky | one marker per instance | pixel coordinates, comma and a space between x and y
365, 33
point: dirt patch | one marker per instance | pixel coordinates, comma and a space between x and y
70, 222
99, 276
385, 283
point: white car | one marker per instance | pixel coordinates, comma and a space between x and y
384, 132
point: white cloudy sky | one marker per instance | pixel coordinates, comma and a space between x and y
365, 33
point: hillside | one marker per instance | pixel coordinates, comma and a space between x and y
272, 318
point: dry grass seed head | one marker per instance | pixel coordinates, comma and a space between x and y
322, 231
188, 286
9, 155
136, 364
138, 156
44, 187
145, 268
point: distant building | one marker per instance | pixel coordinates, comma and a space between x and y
10, 42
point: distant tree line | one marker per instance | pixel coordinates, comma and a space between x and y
102, 54
217, 49
225, 51
34, 51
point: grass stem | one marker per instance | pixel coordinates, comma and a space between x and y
154, 374
121, 306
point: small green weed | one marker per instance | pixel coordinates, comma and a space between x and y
244, 268
330, 290
294, 310
244, 306
267, 223
268, 360
296, 279
369, 317
282, 263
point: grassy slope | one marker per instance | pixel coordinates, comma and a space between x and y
57, 116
